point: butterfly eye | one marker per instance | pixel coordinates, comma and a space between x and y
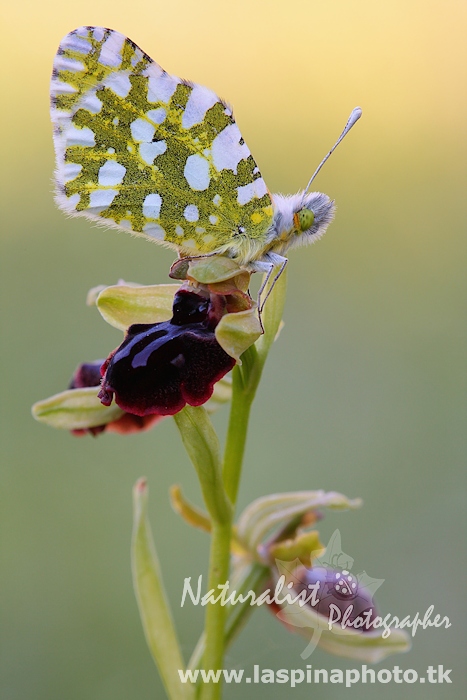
303, 219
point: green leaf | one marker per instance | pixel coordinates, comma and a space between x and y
202, 445
123, 305
236, 332
210, 270
214, 269
75, 409
152, 601
193, 515
281, 509
91, 297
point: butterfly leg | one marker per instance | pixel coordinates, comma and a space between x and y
278, 261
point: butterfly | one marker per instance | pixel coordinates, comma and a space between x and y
144, 151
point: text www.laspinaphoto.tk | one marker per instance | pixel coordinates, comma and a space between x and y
297, 676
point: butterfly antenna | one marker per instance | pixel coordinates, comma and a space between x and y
354, 117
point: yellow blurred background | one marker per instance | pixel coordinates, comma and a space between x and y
363, 392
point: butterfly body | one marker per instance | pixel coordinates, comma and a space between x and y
144, 151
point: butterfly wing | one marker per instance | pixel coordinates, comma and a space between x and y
145, 151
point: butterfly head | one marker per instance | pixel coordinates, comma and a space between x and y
299, 219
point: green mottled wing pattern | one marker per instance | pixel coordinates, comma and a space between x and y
145, 151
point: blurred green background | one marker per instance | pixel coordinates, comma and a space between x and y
363, 393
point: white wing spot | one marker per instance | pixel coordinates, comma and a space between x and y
162, 88
246, 193
77, 42
71, 171
98, 33
69, 64
79, 137
197, 172
136, 58
208, 238
213, 219
200, 229
178, 230
150, 151
152, 206
118, 82
73, 201
59, 88
191, 213
111, 50
200, 100
153, 71
111, 150
142, 130
227, 152
217, 199
111, 174
154, 230
157, 115
115, 121
101, 199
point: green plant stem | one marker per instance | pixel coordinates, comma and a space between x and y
236, 435
237, 614
216, 613
202, 446
246, 378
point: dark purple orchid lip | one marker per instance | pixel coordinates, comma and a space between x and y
161, 367
88, 374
